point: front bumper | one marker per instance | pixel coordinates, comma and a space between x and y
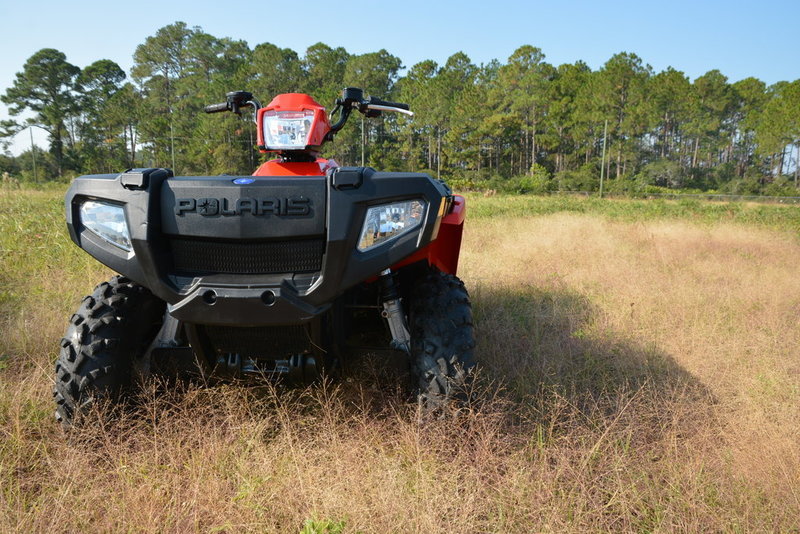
162, 209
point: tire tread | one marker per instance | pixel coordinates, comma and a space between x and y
98, 349
442, 339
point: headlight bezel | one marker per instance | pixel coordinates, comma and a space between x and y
288, 129
107, 221
412, 214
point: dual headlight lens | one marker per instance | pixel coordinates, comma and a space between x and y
106, 221
389, 221
382, 223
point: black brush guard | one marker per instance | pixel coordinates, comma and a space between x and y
251, 251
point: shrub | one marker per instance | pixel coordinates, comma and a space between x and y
661, 173
586, 178
742, 186
781, 187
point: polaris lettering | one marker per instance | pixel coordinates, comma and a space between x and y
212, 207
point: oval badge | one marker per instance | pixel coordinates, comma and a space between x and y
244, 181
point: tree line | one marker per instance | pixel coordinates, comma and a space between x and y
524, 124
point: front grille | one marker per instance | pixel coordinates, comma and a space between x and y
260, 341
247, 257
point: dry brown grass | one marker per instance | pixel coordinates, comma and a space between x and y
706, 318
635, 377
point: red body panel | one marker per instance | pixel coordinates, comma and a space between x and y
276, 167
296, 102
444, 251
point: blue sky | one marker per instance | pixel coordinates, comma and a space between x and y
741, 39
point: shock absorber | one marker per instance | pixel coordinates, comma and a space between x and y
393, 313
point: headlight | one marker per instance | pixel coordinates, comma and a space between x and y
106, 221
287, 130
390, 221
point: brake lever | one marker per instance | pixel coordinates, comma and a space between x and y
379, 107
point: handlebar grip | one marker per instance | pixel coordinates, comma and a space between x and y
216, 108
379, 102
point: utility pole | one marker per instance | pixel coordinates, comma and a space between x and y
603, 158
363, 142
172, 144
438, 154
33, 153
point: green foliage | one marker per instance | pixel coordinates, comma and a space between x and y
662, 173
322, 526
538, 182
781, 187
774, 217
519, 126
742, 186
46, 86
586, 178
9, 164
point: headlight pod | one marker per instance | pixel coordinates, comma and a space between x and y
389, 221
287, 130
106, 221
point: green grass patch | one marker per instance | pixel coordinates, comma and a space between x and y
776, 217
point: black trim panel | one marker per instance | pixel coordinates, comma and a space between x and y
335, 213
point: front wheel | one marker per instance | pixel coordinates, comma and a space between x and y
104, 342
442, 339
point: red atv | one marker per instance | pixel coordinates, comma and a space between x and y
291, 272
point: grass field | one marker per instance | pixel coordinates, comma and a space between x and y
639, 372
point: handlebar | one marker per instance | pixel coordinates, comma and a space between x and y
404, 111
385, 103
216, 108
234, 101
353, 99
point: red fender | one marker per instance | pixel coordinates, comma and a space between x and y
444, 251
